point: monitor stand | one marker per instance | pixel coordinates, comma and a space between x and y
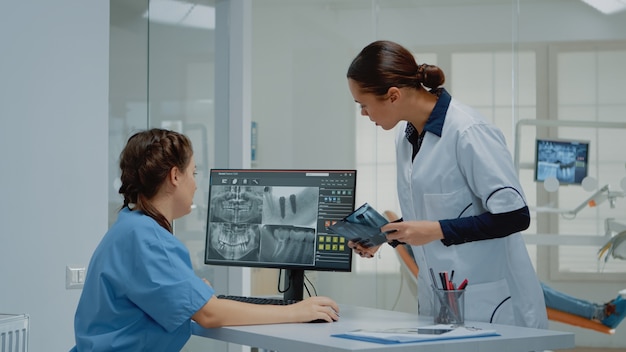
294, 283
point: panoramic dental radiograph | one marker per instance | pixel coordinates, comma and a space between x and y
234, 222
234, 241
267, 224
561, 158
237, 205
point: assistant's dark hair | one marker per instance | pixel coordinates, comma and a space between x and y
146, 162
384, 64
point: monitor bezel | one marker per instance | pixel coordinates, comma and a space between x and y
286, 266
570, 141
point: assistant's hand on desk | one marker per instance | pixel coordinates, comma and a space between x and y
225, 312
315, 308
415, 233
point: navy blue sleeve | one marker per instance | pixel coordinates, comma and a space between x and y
483, 227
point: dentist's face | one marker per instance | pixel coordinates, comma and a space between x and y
377, 108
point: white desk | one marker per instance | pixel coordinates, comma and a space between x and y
316, 337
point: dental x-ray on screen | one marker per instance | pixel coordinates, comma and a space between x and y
565, 160
278, 218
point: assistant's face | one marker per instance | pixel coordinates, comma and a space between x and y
187, 188
378, 109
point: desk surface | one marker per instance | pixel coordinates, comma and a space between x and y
316, 337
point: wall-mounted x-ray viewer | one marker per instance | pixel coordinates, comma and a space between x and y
566, 161
598, 195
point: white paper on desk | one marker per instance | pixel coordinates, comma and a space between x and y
407, 335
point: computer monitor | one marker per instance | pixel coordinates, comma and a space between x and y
276, 218
567, 160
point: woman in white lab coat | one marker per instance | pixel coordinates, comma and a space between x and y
460, 197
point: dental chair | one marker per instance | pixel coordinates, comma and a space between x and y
410, 269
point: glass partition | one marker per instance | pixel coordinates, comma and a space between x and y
128, 84
306, 116
162, 74
498, 57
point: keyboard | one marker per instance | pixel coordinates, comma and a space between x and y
259, 300
266, 300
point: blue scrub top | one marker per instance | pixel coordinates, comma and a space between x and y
140, 291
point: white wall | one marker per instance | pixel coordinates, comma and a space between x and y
53, 151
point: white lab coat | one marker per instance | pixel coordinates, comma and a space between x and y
470, 164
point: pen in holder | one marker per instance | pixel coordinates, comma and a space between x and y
448, 306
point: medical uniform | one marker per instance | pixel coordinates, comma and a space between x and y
140, 291
463, 169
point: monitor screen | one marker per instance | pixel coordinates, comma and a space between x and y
278, 219
567, 160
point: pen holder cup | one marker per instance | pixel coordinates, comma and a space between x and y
449, 307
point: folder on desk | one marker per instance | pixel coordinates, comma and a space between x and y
421, 334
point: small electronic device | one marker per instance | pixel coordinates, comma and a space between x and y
433, 331
565, 160
364, 226
276, 218
424, 330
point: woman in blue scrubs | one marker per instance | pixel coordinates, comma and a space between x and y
460, 197
141, 293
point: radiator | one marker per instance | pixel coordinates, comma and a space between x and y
14, 332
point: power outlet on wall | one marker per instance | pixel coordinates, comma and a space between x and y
74, 277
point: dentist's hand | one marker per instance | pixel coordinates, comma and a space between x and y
415, 233
363, 251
